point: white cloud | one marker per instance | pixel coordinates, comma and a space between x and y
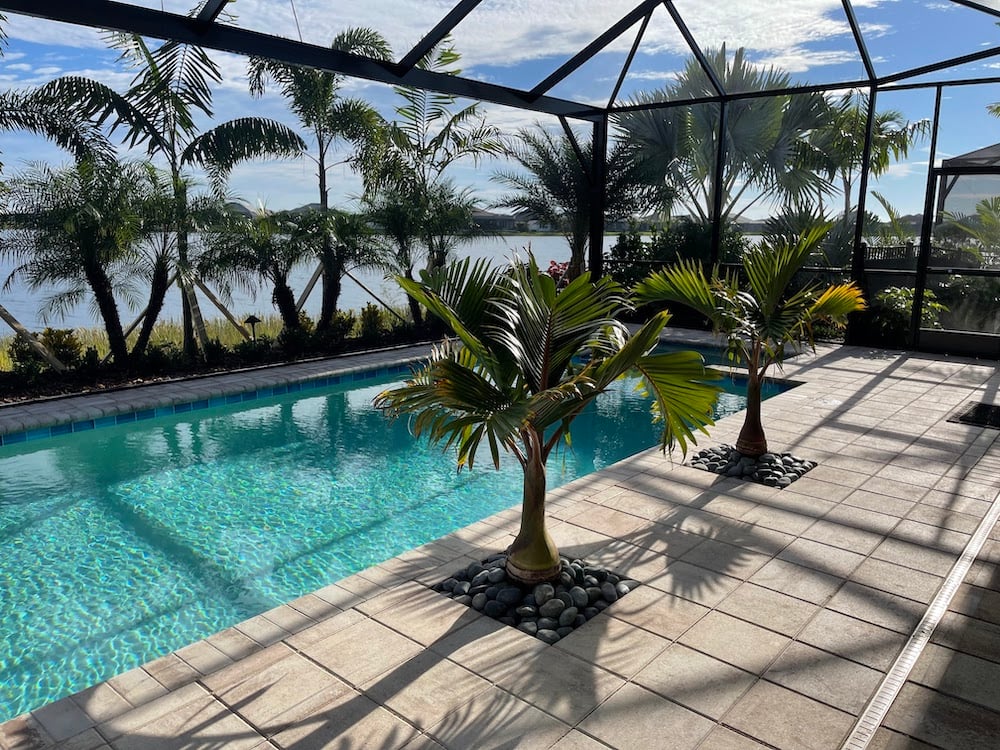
801, 60
20, 67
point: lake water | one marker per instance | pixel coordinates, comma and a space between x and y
26, 305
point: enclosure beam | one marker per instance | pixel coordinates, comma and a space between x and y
105, 14
926, 227
433, 37
599, 176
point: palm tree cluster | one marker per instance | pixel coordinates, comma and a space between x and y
786, 149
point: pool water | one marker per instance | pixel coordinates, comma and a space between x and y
129, 542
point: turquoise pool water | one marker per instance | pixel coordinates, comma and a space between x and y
128, 542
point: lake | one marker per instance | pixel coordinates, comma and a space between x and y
25, 305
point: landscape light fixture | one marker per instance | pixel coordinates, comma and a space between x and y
252, 321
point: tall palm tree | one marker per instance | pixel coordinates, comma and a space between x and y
79, 228
172, 86
768, 150
514, 381
427, 137
314, 97
558, 187
838, 142
761, 318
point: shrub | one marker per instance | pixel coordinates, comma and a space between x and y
294, 341
254, 352
162, 358
62, 342
372, 327
331, 339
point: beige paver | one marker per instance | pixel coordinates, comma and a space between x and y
351, 720
663, 614
693, 679
742, 644
788, 720
616, 645
828, 678
653, 713
854, 639
495, 719
425, 688
942, 721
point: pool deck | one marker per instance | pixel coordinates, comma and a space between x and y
767, 618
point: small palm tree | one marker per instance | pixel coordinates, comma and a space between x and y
760, 319
80, 228
515, 378
267, 245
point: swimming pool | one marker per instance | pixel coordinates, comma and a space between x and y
129, 542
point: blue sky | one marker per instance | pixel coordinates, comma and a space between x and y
519, 42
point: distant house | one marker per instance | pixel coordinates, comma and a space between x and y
494, 222
525, 221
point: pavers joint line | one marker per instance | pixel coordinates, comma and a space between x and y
878, 705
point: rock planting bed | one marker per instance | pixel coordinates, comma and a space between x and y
549, 611
772, 469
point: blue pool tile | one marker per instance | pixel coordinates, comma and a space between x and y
105, 422
182, 408
83, 425
165, 411
265, 392
250, 396
37, 434
280, 390
356, 376
217, 401
14, 437
294, 387
145, 414
125, 418
200, 404
61, 429
311, 385
333, 380
234, 398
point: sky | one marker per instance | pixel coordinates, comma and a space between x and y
519, 42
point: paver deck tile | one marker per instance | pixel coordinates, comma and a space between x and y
496, 720
615, 721
788, 720
742, 644
830, 679
696, 680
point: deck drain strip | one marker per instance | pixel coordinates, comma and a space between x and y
875, 710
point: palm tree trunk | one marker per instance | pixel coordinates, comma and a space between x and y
158, 285
752, 441
327, 256
100, 284
533, 556
284, 299
415, 312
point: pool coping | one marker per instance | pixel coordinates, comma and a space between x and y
36, 420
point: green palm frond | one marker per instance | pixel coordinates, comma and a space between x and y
684, 282
220, 149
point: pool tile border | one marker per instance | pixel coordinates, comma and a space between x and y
307, 383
